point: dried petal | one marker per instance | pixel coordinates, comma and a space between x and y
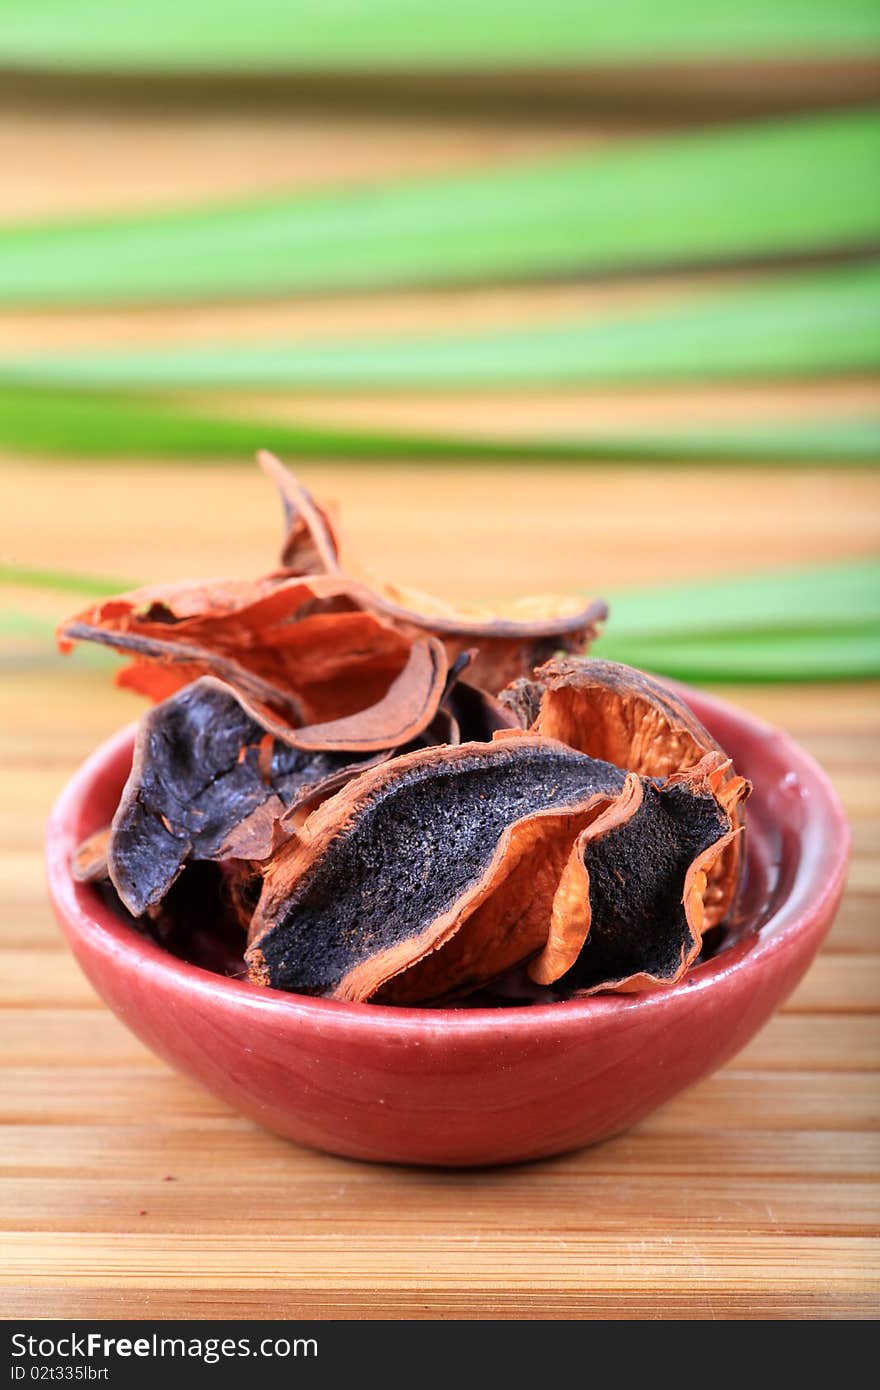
198, 789
613, 712
89, 863
626, 717
629, 912
511, 922
188, 662
404, 712
395, 865
509, 642
321, 632
305, 638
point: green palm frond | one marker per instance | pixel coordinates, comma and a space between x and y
801, 325
104, 425
294, 35
761, 190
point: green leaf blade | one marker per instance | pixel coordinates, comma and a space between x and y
107, 426
303, 35
763, 190
823, 322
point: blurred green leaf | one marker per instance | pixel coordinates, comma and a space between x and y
62, 581
286, 35
109, 426
783, 601
847, 654
760, 190
816, 624
821, 322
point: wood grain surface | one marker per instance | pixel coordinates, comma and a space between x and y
128, 1191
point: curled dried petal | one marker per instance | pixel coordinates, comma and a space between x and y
508, 644
628, 718
613, 712
404, 711
311, 542
306, 643
509, 641
320, 631
202, 788
188, 662
394, 866
630, 909
510, 923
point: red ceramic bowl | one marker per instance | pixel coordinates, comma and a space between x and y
481, 1085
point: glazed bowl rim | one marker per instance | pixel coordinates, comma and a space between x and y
818, 880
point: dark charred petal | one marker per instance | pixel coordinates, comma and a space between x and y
198, 921
522, 700
200, 787
477, 714
89, 863
145, 858
628, 718
645, 917
396, 861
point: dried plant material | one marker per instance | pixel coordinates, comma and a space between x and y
306, 638
207, 783
405, 710
630, 907
612, 712
311, 542
89, 863
478, 716
626, 717
200, 918
331, 757
407, 707
178, 663
393, 866
570, 912
508, 642
327, 640
510, 923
